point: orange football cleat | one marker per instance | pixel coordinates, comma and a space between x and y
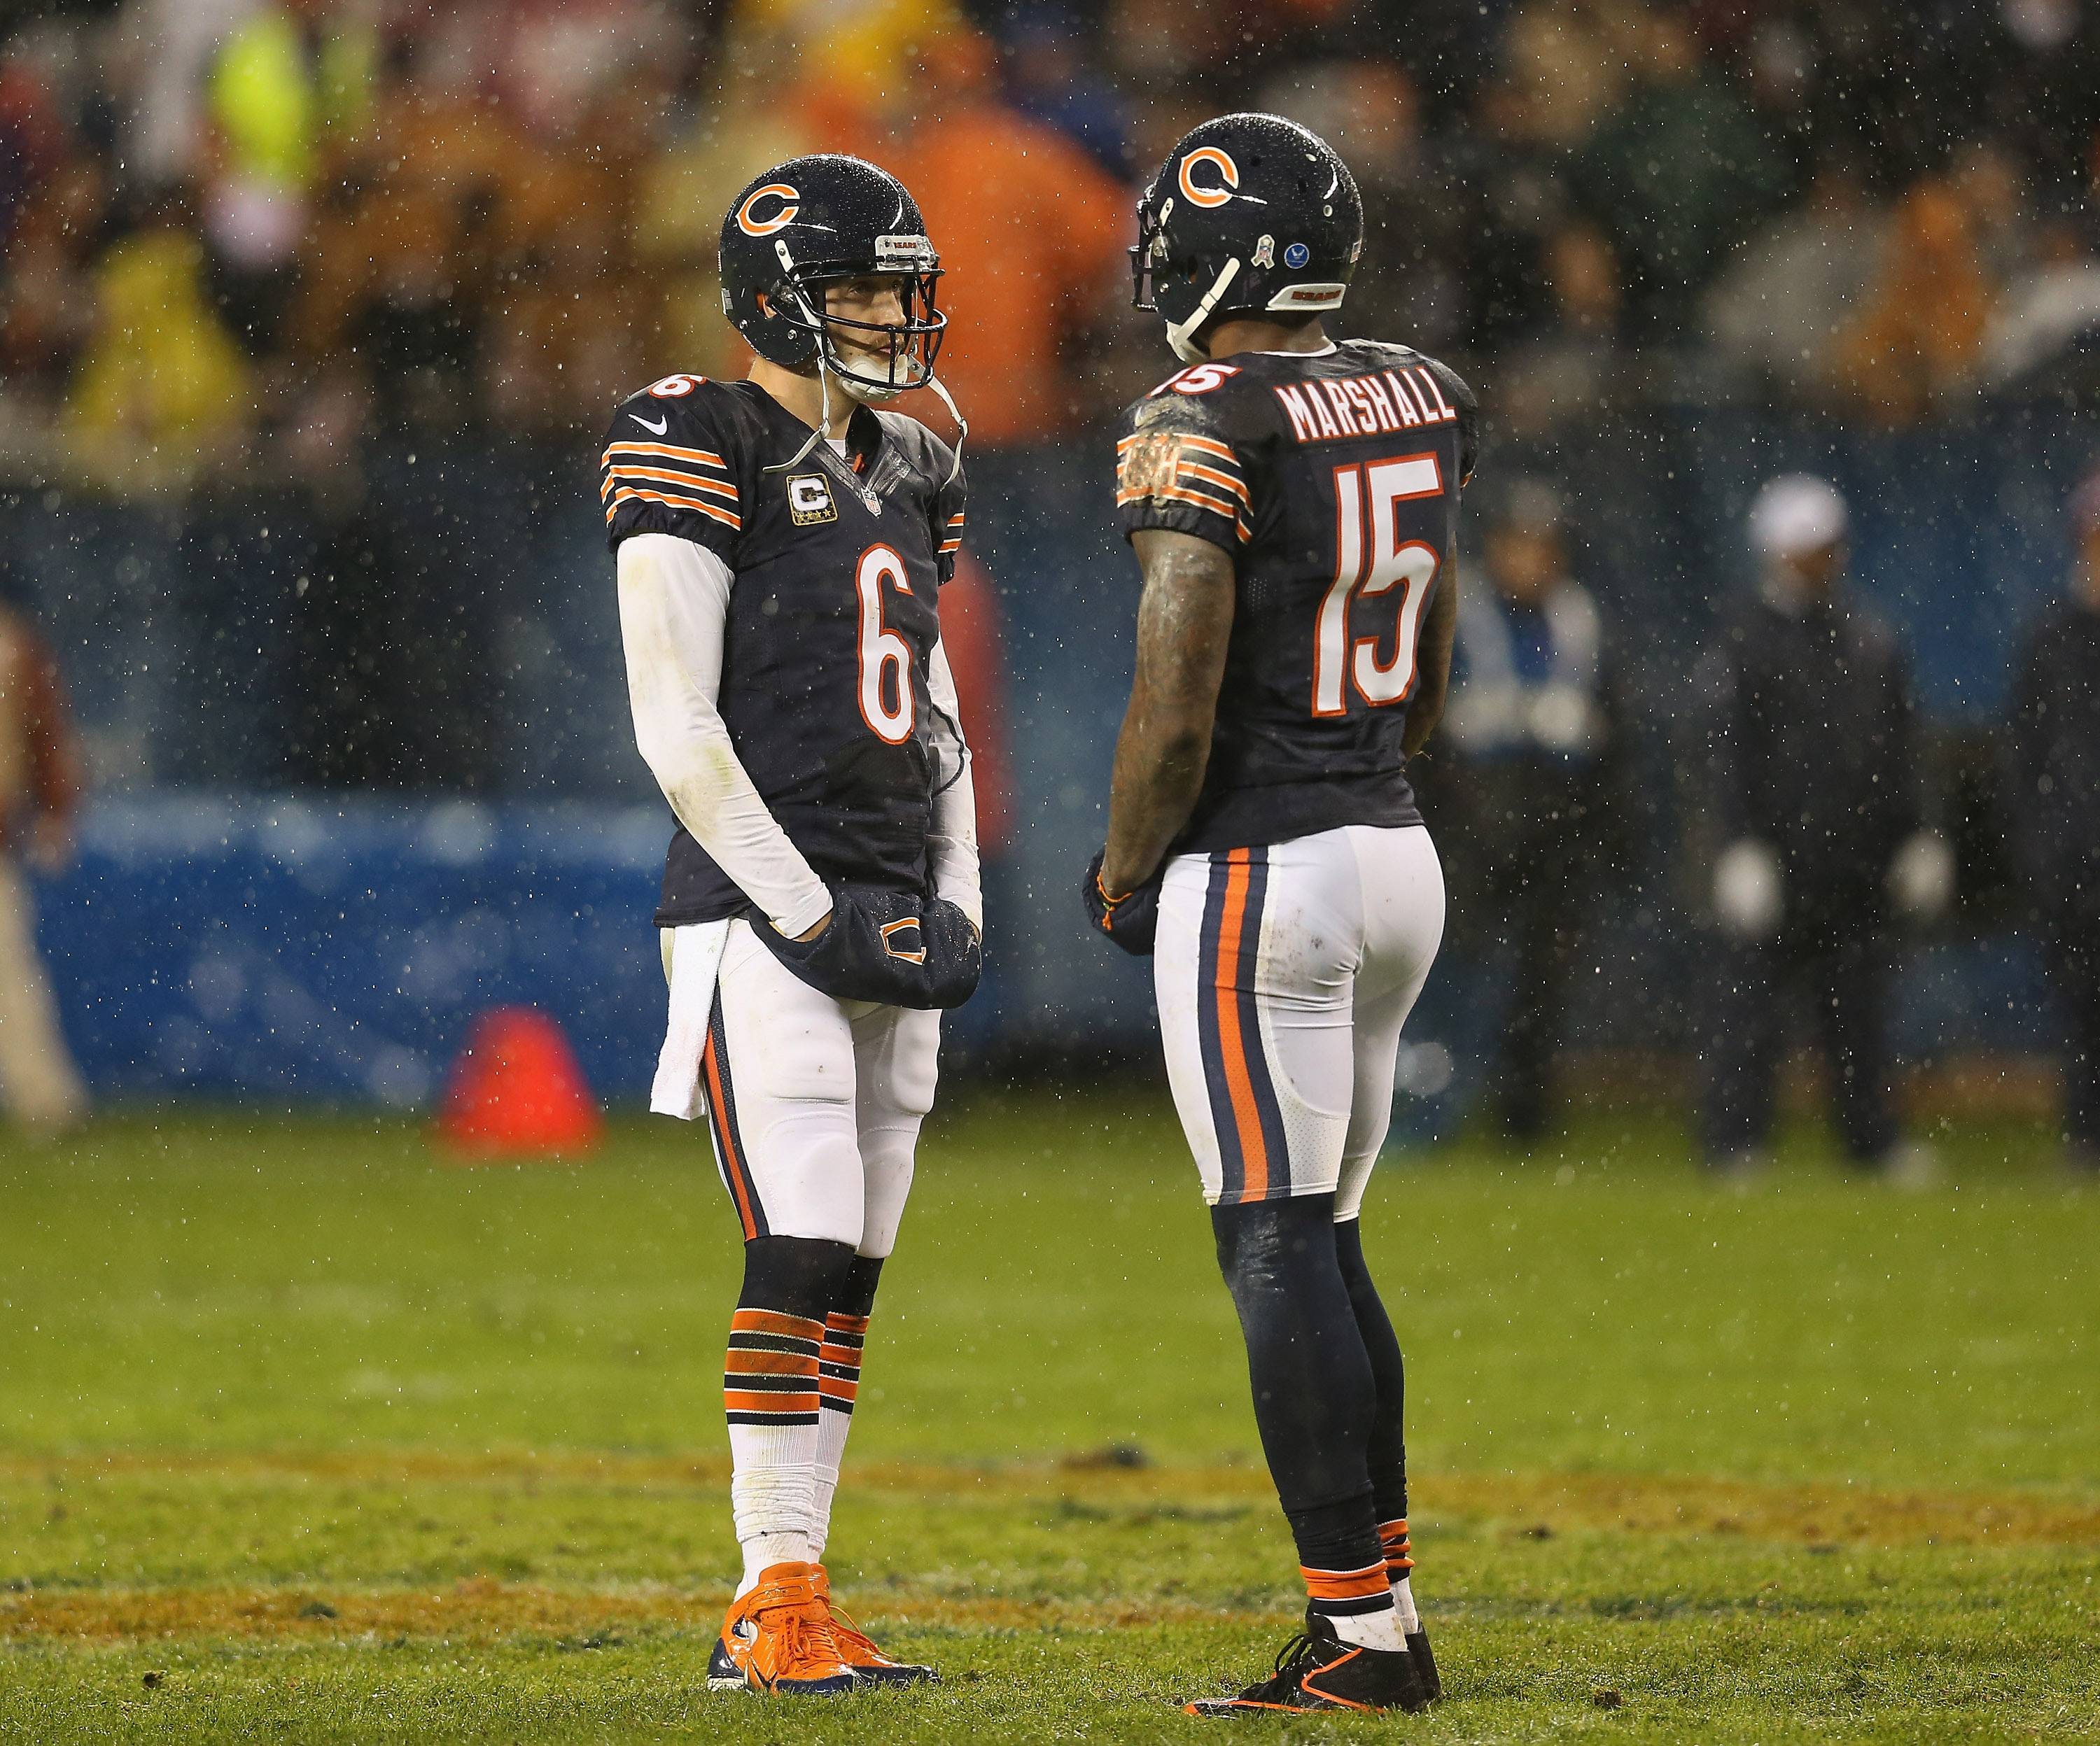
858, 1649
777, 1641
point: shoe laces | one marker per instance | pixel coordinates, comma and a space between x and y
1296, 1658
850, 1635
805, 1635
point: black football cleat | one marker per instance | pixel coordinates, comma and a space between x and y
1425, 1666
1317, 1670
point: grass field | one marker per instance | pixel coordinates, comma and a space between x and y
305, 1434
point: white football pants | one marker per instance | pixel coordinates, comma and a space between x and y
814, 1104
1284, 975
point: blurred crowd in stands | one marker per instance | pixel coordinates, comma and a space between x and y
244, 232
269, 260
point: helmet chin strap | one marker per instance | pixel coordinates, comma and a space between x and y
848, 383
874, 394
1182, 335
823, 425
961, 425
824, 420
823, 362
869, 392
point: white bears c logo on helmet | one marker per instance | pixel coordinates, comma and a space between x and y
751, 225
1218, 192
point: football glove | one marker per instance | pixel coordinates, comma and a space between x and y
1130, 921
889, 947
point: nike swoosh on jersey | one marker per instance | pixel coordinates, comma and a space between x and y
658, 428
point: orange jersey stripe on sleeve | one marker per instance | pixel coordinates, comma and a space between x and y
1180, 439
706, 457
626, 492
1206, 445
1210, 476
1202, 499
690, 481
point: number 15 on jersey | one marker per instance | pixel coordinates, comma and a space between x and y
1370, 558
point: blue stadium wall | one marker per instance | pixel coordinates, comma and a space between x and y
221, 939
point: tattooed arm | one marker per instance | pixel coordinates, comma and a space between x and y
1183, 624
1432, 680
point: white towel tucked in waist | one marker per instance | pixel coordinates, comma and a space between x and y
692, 958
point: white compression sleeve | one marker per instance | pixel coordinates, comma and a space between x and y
673, 606
954, 839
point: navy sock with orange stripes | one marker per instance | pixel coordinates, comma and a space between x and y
1314, 1400
838, 1383
771, 1389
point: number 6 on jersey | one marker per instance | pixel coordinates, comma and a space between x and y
885, 657
1366, 492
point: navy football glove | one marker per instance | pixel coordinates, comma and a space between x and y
886, 946
1129, 920
955, 955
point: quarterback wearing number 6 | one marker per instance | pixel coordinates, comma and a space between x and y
781, 549
1294, 505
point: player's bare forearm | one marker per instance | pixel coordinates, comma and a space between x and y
1184, 623
1433, 681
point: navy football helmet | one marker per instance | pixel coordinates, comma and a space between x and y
825, 217
1249, 212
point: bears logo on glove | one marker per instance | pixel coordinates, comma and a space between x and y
886, 946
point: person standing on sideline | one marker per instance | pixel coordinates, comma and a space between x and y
2054, 790
40, 788
1534, 720
1814, 785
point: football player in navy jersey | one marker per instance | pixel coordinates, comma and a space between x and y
1294, 505
781, 547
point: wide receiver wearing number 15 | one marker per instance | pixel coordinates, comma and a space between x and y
1293, 503
781, 550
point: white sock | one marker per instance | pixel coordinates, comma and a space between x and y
826, 1487
771, 1501
1370, 1630
840, 1384
769, 1393
1403, 1605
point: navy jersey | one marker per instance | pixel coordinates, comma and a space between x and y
833, 615
1333, 480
